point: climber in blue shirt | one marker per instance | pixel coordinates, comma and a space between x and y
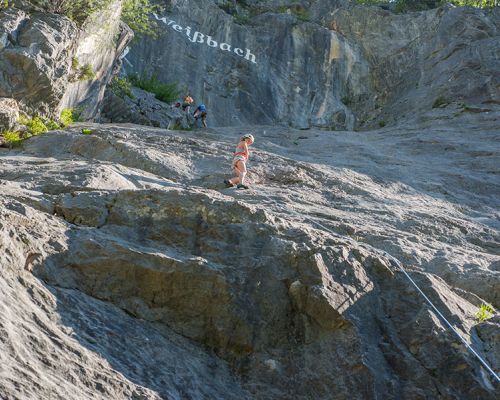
201, 112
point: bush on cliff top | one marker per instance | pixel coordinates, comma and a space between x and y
402, 6
134, 12
77, 10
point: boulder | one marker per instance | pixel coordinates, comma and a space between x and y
9, 113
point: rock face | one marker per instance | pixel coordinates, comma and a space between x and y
448, 53
129, 272
335, 66
41, 53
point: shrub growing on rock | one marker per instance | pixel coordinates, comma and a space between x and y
301, 13
166, 92
347, 100
486, 311
67, 117
121, 87
12, 138
86, 73
36, 126
75, 63
51, 125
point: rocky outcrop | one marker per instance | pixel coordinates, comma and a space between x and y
143, 108
36, 59
102, 42
151, 279
330, 65
42, 56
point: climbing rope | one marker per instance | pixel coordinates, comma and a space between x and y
402, 269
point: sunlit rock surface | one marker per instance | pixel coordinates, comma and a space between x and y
128, 271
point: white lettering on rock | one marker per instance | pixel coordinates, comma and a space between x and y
250, 57
198, 37
210, 42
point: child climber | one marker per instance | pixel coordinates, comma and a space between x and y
239, 163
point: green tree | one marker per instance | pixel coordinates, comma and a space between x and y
136, 13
